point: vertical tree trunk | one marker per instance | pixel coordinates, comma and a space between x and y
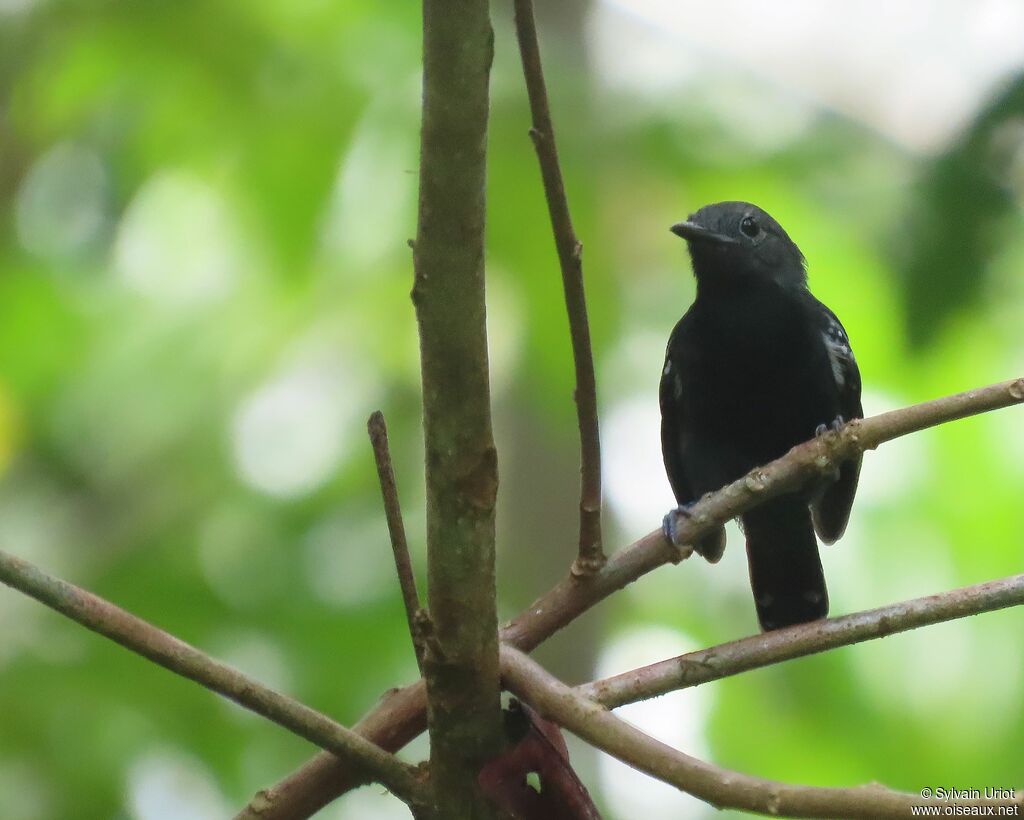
461, 465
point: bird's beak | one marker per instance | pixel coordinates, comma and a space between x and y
692, 232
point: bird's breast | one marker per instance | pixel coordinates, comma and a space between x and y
753, 375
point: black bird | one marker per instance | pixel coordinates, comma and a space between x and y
754, 367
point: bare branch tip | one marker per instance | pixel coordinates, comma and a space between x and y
375, 424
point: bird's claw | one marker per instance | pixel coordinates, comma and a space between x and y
824, 429
834, 427
670, 526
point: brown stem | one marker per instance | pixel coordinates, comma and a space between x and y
695, 668
323, 778
369, 761
461, 658
378, 432
721, 788
590, 557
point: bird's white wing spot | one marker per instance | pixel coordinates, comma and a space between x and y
668, 368
838, 348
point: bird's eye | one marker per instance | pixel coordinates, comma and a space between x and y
749, 226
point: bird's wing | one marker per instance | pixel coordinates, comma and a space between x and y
676, 429
844, 366
831, 510
673, 420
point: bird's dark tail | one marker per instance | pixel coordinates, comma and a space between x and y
785, 570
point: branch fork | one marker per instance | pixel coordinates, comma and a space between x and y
461, 660
399, 718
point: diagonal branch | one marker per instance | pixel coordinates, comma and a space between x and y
756, 651
719, 787
378, 432
590, 557
400, 716
569, 598
398, 720
370, 762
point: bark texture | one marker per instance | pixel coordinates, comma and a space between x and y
461, 644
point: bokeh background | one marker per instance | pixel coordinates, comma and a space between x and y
204, 282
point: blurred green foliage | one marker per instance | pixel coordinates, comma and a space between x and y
204, 292
966, 204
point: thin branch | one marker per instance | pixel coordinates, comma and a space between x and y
569, 598
721, 788
821, 456
378, 432
321, 779
369, 760
590, 557
756, 651
400, 716
461, 661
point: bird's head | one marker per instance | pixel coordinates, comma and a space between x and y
737, 239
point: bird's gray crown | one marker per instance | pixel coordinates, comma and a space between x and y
736, 239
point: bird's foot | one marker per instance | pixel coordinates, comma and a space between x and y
670, 528
834, 427
670, 523
825, 429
